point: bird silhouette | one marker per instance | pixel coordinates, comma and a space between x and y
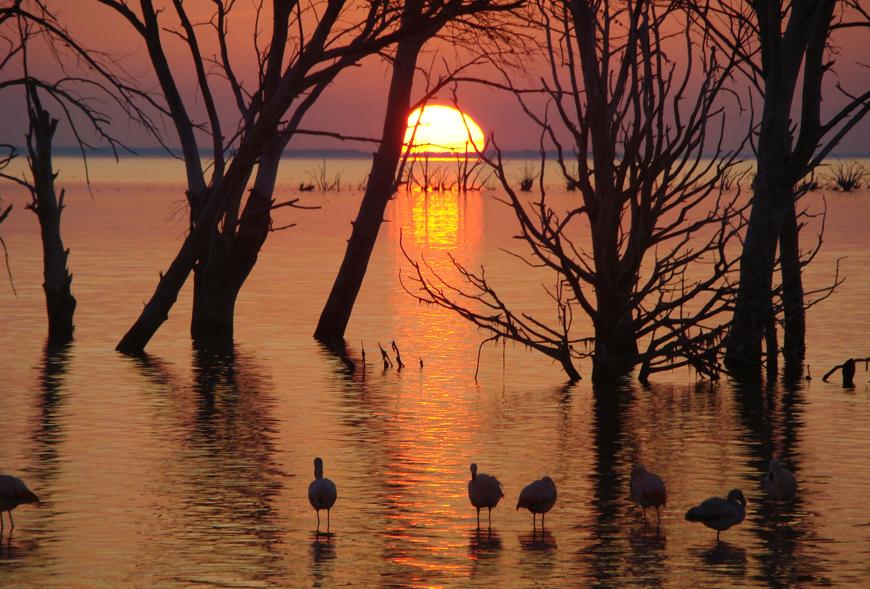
647, 489
779, 483
13, 492
321, 493
538, 497
484, 491
720, 514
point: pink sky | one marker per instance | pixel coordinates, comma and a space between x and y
354, 104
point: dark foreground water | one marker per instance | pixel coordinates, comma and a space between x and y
189, 467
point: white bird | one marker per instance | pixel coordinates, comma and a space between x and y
779, 483
484, 491
538, 497
13, 492
720, 514
647, 489
321, 493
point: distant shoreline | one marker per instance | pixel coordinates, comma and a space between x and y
156, 152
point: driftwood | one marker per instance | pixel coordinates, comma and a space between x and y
848, 370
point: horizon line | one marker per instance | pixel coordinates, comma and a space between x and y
337, 153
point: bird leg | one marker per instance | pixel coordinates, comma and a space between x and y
543, 515
11, 521
1, 522
658, 517
643, 509
478, 518
717, 536
327, 521
317, 511
489, 514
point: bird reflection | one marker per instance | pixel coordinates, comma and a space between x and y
322, 546
644, 539
322, 549
484, 548
483, 543
537, 540
724, 558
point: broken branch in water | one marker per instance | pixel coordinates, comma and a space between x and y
848, 370
387, 362
398, 355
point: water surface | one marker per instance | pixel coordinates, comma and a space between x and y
188, 466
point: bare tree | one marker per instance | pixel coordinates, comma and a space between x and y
310, 44
382, 179
785, 50
23, 25
655, 271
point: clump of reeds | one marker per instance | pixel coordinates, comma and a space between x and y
322, 180
847, 176
527, 177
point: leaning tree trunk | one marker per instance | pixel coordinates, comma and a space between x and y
231, 255
337, 310
794, 313
156, 310
59, 301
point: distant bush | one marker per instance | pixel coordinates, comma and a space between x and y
323, 181
527, 177
848, 176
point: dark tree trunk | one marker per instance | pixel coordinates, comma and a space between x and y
156, 310
615, 342
381, 183
753, 307
772, 199
782, 161
215, 288
771, 347
221, 272
794, 325
59, 301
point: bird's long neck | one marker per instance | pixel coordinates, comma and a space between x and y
318, 471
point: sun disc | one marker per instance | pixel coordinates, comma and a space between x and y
440, 129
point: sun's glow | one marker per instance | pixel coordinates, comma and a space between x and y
437, 128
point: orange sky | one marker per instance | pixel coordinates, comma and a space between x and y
354, 104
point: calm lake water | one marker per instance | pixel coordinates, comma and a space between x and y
189, 467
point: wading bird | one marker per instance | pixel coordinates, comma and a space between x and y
13, 492
484, 491
779, 483
647, 489
538, 497
321, 493
720, 514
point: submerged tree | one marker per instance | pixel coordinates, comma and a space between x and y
476, 15
785, 49
310, 44
23, 26
653, 271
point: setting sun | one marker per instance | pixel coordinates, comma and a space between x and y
443, 129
